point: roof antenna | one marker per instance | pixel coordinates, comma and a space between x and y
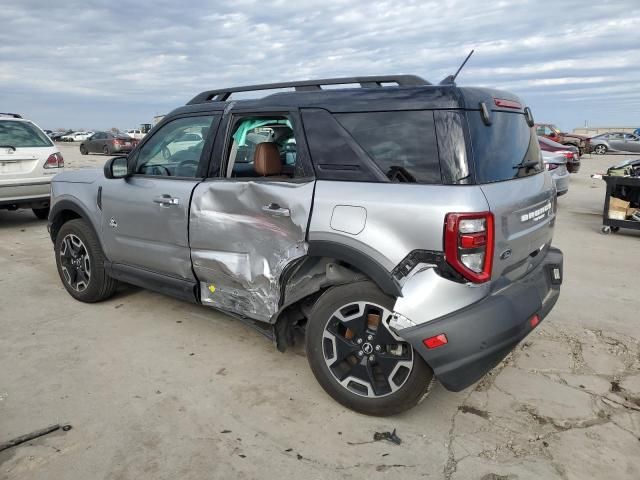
451, 79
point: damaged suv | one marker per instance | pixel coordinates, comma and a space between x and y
404, 227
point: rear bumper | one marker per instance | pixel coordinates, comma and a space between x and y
482, 334
29, 191
561, 182
573, 167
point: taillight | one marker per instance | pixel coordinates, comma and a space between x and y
55, 160
568, 155
551, 166
468, 244
116, 142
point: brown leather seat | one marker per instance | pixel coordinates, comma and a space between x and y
266, 160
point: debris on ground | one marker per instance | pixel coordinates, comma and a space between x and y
33, 435
378, 436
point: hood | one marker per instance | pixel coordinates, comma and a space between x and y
83, 175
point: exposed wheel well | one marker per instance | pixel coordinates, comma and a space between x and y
302, 284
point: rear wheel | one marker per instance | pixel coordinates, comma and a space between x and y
355, 356
600, 149
80, 263
105, 150
41, 213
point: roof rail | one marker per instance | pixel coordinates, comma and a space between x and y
14, 115
311, 85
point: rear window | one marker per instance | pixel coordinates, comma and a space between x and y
22, 135
402, 144
506, 149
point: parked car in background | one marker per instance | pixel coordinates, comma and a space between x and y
76, 136
57, 136
135, 133
615, 142
556, 165
28, 161
569, 151
550, 131
108, 143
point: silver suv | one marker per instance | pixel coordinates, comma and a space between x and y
405, 228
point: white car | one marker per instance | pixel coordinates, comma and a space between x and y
28, 161
76, 137
135, 133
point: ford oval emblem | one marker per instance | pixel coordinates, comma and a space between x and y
506, 254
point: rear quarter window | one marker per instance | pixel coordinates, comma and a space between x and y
22, 135
401, 143
501, 148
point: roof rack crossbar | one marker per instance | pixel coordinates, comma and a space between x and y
311, 85
14, 115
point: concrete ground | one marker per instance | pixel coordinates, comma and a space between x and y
156, 388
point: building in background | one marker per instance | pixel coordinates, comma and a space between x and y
593, 131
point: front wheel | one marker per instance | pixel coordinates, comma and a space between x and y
80, 263
356, 357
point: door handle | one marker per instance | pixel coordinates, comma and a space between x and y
276, 210
166, 200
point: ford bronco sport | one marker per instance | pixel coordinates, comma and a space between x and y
404, 227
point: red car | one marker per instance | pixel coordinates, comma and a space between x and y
554, 134
570, 152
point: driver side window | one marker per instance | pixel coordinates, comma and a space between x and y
176, 149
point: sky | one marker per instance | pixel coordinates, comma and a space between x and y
96, 64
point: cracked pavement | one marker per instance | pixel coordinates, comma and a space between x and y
156, 388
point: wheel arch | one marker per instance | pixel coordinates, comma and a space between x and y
326, 265
65, 210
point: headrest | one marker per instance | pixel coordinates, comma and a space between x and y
266, 160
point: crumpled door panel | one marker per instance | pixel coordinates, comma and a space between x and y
238, 249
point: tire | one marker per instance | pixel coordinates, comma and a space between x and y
41, 213
600, 149
362, 305
76, 236
83, 150
106, 150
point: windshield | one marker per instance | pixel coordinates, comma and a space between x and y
22, 135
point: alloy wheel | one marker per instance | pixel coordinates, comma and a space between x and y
600, 149
362, 353
75, 262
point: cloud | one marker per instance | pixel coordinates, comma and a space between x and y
101, 64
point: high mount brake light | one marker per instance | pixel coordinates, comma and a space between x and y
55, 160
501, 102
469, 244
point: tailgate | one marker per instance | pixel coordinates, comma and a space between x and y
20, 163
524, 213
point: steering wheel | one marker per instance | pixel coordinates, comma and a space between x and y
187, 164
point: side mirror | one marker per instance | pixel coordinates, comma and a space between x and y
116, 167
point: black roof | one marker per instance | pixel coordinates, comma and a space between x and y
379, 93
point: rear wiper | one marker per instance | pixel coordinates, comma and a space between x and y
8, 146
527, 164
